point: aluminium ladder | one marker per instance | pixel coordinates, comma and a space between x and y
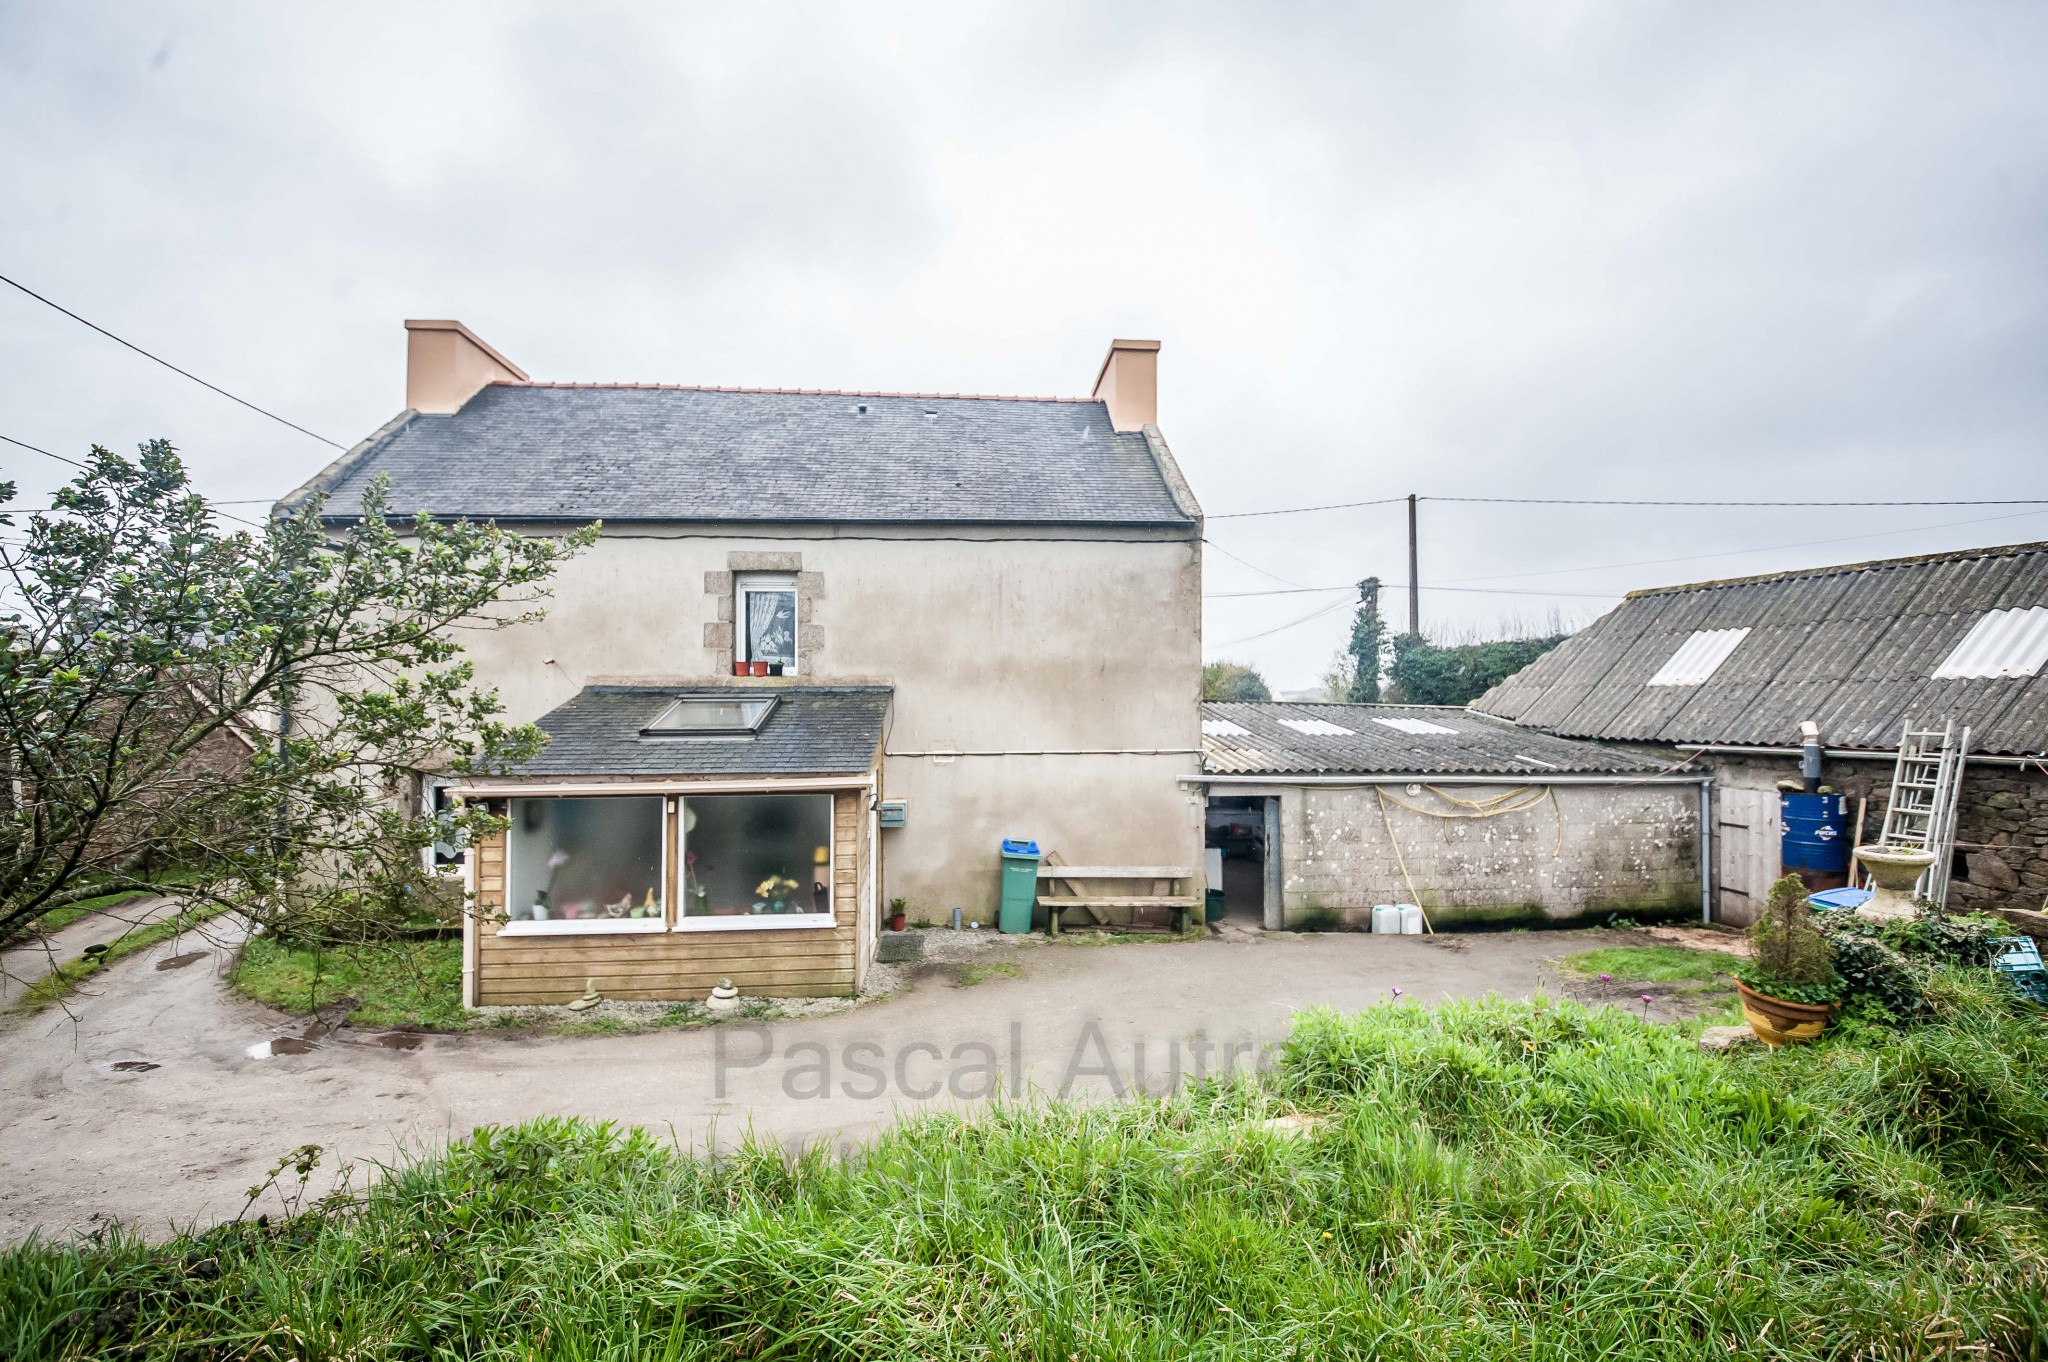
1921, 813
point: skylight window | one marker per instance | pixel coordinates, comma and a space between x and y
1699, 657
1421, 728
2002, 643
1224, 728
1317, 728
710, 716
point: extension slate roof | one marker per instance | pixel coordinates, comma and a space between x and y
535, 451
813, 730
1276, 738
1853, 648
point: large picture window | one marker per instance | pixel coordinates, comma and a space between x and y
585, 865
756, 861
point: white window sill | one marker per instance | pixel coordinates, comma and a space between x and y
571, 926
756, 922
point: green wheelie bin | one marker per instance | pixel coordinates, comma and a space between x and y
1020, 885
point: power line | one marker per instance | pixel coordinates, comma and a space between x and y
1588, 501
1761, 548
1402, 586
1577, 501
1297, 510
44, 452
168, 365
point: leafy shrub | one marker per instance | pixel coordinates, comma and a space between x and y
1888, 965
1790, 958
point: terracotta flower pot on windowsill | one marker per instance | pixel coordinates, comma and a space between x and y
739, 669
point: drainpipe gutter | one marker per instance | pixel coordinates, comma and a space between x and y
1420, 778
1706, 851
1841, 754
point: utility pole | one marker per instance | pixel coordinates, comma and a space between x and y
1414, 588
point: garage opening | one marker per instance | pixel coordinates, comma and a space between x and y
1237, 833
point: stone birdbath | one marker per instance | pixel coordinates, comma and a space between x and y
1893, 871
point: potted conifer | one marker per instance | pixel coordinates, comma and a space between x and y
1789, 987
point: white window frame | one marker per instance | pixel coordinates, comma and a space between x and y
764, 922
783, 582
600, 926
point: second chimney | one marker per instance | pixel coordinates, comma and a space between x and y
446, 364
1129, 384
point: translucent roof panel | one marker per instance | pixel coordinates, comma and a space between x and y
1417, 727
1699, 657
2000, 643
1320, 728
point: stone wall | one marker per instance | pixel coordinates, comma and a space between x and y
2001, 822
1546, 854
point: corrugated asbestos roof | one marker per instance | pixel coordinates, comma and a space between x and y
1275, 738
542, 452
813, 730
1853, 648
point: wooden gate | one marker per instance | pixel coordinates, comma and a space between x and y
1747, 829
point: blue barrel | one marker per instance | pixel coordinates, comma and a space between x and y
1816, 833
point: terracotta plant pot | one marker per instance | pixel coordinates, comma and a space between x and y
759, 668
1779, 1022
739, 669
896, 922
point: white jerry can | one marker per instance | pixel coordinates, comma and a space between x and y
1386, 919
1411, 919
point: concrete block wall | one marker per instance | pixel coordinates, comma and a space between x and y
1562, 854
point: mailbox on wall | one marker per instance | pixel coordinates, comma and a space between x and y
894, 813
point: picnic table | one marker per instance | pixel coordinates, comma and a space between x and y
1076, 887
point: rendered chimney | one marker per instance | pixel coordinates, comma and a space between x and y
1129, 384
446, 364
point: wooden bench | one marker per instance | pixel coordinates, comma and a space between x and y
1160, 880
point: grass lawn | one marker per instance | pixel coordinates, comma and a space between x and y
1485, 1180
395, 983
1653, 964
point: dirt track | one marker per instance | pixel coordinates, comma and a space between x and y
181, 1142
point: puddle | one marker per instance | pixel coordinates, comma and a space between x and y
180, 961
283, 1045
135, 1066
399, 1040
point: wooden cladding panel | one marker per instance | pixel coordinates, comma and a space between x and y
674, 966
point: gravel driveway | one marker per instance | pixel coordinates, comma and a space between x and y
146, 1106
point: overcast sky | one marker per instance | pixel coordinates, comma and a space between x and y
1719, 250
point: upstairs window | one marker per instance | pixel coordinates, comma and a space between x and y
764, 622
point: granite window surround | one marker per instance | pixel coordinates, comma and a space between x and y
721, 630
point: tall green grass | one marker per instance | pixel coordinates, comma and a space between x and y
1486, 1181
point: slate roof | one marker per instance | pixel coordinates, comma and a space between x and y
1376, 740
534, 451
813, 730
1853, 648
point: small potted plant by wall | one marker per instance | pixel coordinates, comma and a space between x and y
1788, 986
898, 910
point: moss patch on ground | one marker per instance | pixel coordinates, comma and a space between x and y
1653, 964
395, 983
985, 971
